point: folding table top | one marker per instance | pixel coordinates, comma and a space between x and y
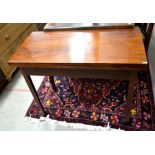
104, 47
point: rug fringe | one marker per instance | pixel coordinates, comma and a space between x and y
67, 125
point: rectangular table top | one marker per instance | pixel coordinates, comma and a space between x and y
104, 47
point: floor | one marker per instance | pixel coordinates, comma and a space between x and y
14, 102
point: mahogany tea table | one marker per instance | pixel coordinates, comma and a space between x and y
100, 53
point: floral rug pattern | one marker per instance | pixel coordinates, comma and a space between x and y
95, 102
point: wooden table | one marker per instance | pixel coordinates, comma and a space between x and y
105, 53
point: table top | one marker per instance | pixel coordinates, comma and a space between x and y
76, 26
107, 47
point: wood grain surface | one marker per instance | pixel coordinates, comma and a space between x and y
104, 48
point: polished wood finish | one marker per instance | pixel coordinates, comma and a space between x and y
11, 37
111, 53
104, 48
32, 88
85, 73
10, 33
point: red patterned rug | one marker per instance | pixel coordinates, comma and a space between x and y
95, 102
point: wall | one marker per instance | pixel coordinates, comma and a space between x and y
151, 56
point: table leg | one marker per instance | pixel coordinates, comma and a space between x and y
132, 81
52, 82
33, 90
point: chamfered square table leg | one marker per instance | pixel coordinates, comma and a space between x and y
51, 78
33, 90
132, 82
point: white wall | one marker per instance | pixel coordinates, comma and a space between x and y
151, 56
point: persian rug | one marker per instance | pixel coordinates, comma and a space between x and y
54, 125
95, 102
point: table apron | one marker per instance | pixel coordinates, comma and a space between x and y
78, 73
